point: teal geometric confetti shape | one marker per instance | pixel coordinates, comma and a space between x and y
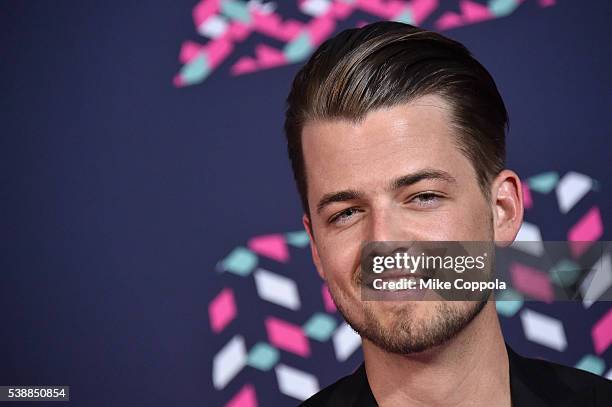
565, 273
405, 17
320, 327
508, 302
240, 261
591, 363
236, 10
298, 239
195, 71
543, 183
298, 49
262, 356
500, 8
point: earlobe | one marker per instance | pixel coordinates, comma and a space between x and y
507, 199
313, 247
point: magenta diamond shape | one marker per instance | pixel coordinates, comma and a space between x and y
222, 310
287, 336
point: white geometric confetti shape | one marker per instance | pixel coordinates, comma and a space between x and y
544, 330
609, 375
295, 383
345, 341
572, 187
315, 7
228, 362
260, 7
597, 281
529, 239
277, 289
213, 27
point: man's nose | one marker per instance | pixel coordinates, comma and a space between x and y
387, 226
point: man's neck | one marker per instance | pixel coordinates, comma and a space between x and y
470, 369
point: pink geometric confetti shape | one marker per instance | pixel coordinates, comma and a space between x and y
382, 9
394, 7
532, 282
269, 57
341, 10
244, 65
203, 10
271, 24
474, 12
268, 23
272, 246
217, 50
178, 81
328, 302
421, 9
547, 3
449, 20
287, 336
588, 229
602, 333
320, 29
239, 31
527, 198
291, 29
244, 398
222, 310
189, 50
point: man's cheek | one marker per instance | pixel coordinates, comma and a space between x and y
338, 265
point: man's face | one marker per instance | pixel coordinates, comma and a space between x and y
396, 176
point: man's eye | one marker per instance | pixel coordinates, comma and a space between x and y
344, 216
426, 199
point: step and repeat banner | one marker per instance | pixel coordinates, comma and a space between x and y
152, 245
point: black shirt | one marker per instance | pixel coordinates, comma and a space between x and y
533, 382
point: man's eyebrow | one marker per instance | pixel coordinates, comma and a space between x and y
413, 178
341, 196
403, 181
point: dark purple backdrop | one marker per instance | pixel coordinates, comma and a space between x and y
120, 192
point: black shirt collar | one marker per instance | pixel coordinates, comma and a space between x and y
357, 392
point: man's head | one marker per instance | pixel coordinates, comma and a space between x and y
398, 134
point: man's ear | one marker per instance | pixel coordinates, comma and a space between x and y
507, 203
313, 247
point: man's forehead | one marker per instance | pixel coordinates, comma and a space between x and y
416, 131
421, 119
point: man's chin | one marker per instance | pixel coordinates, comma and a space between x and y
408, 327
